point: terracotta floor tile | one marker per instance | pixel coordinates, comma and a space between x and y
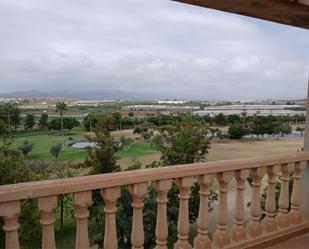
301, 242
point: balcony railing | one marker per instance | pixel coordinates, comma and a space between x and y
238, 236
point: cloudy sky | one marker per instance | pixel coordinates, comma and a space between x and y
148, 46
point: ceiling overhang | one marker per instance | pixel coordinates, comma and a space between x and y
294, 13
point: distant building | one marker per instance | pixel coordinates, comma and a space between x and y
172, 102
262, 110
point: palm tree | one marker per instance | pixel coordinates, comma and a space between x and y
8, 108
61, 108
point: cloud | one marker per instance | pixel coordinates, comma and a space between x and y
155, 46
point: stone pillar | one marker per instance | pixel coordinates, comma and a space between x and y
305, 182
296, 217
221, 237
255, 228
47, 206
110, 196
238, 231
283, 219
270, 205
10, 211
162, 187
81, 201
184, 184
137, 237
202, 240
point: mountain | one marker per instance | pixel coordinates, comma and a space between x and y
86, 94
28, 93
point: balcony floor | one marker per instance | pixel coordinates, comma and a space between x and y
300, 242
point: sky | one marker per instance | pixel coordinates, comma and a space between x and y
148, 47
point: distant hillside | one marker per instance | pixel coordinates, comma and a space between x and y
29, 93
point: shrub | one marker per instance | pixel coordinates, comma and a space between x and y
55, 150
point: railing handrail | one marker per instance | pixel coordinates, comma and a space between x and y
29, 190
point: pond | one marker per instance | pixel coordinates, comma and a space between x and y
293, 134
83, 145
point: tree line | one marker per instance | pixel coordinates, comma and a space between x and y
239, 125
11, 114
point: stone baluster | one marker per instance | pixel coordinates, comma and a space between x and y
238, 231
162, 187
110, 196
255, 228
137, 237
221, 237
283, 218
184, 184
47, 206
81, 202
10, 211
296, 217
270, 205
202, 240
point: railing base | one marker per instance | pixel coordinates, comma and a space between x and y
269, 239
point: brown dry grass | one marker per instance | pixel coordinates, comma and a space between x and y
144, 160
241, 149
234, 149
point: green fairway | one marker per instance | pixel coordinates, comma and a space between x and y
137, 149
43, 142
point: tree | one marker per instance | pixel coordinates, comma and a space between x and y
29, 121
127, 123
8, 108
26, 148
15, 116
125, 143
61, 108
220, 119
90, 121
156, 141
301, 130
43, 122
10, 113
286, 129
184, 143
118, 120
101, 158
188, 144
3, 130
67, 123
131, 114
55, 151
277, 129
146, 135
93, 119
236, 132
213, 131
12, 170
137, 130
233, 119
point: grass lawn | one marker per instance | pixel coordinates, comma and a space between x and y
136, 150
43, 142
